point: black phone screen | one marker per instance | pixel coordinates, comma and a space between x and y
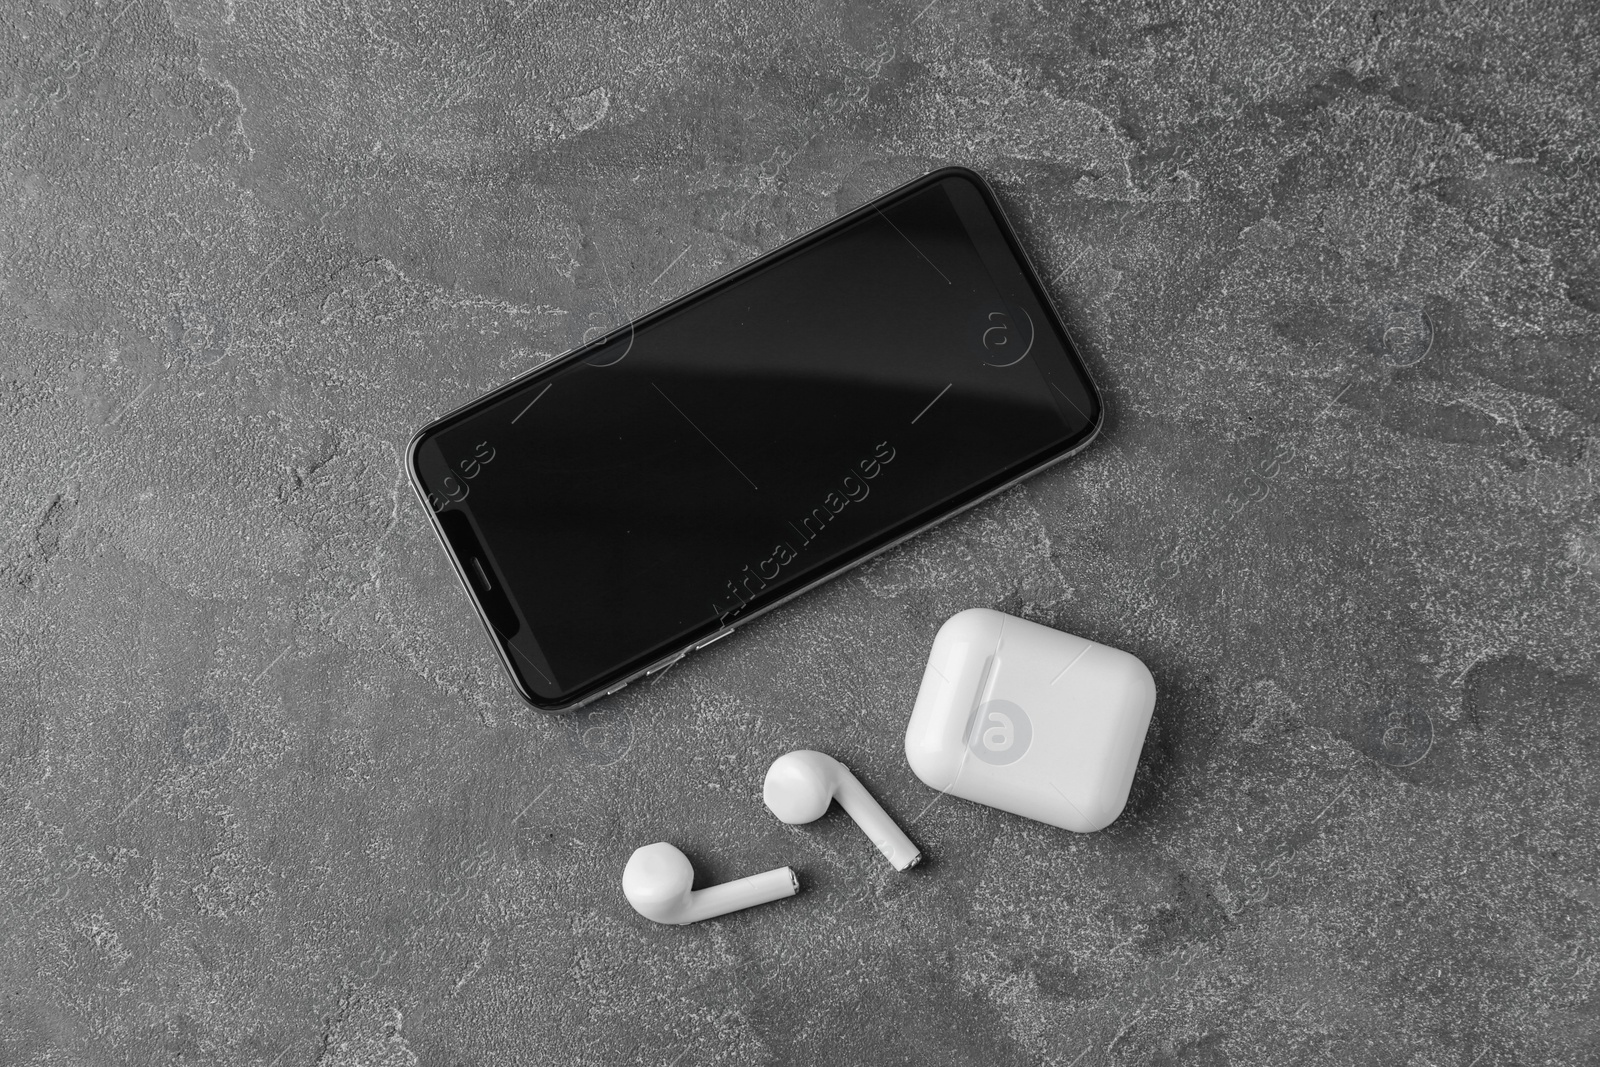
753, 437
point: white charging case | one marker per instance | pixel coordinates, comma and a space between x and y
1030, 720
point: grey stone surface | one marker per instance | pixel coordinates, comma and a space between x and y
266, 800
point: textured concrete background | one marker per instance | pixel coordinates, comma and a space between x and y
265, 798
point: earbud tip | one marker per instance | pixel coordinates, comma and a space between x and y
795, 794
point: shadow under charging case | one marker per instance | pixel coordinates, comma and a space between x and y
1030, 720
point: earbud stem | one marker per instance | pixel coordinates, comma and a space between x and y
871, 817
742, 893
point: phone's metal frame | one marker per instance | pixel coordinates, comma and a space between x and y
608, 687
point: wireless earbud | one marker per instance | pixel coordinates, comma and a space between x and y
657, 883
801, 785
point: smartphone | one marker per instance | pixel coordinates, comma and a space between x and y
643, 495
